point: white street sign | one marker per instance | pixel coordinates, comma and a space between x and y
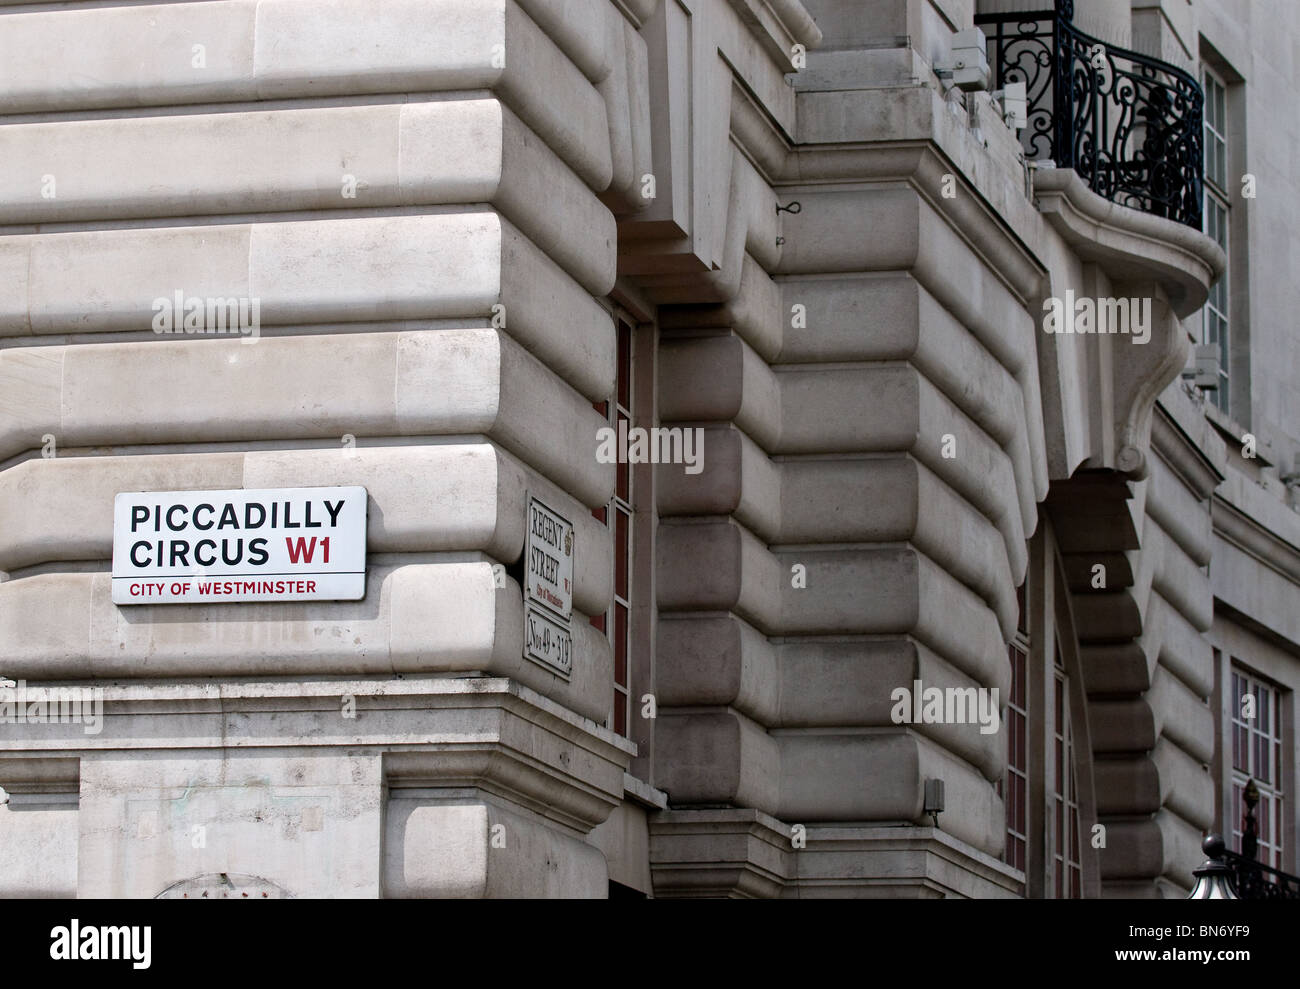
547, 641
279, 544
548, 559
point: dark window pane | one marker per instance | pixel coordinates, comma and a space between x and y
623, 473
620, 714
620, 645
624, 365
599, 622
622, 549
599, 514
1278, 830
1238, 812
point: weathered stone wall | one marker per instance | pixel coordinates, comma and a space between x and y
418, 197
438, 207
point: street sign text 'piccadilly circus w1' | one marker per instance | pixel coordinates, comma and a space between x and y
279, 544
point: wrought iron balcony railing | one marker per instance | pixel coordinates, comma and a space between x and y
1130, 125
1256, 881
1229, 875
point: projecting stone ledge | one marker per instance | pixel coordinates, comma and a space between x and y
472, 786
744, 853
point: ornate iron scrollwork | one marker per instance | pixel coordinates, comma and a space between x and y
1130, 125
1256, 881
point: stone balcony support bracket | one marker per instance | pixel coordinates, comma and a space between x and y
1140, 256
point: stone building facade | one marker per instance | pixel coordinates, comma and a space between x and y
786, 247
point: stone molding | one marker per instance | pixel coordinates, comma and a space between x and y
1124, 241
490, 734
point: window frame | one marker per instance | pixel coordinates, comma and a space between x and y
1054, 648
1270, 813
618, 409
1216, 322
1064, 817
1014, 786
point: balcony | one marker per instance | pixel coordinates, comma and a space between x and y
1129, 125
1236, 875
1255, 881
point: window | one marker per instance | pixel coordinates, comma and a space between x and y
1067, 868
1014, 786
617, 515
1047, 785
1257, 754
1064, 867
1214, 327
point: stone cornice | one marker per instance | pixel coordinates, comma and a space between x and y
637, 11
641, 792
919, 857
40, 774
743, 853
1124, 241
1246, 533
491, 734
779, 25
1184, 456
719, 852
